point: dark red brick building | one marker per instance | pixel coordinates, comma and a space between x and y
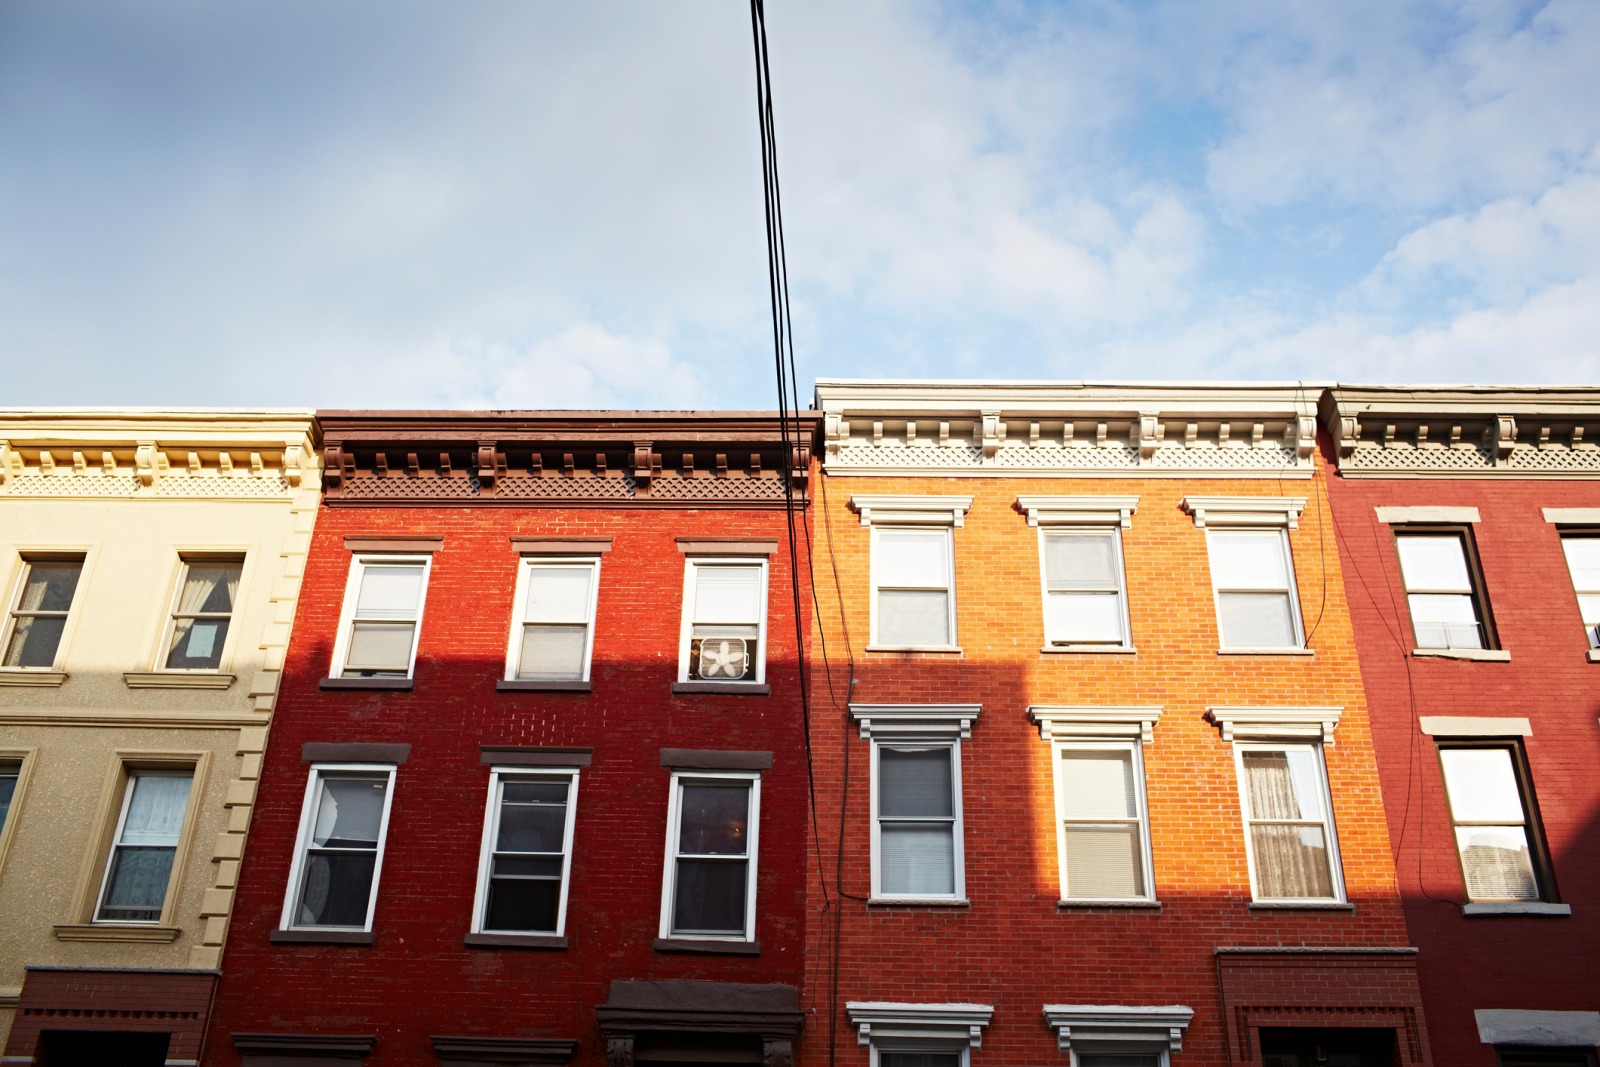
1468, 523
536, 791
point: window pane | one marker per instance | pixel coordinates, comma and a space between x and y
1080, 561
1583, 560
155, 811
532, 827
1118, 1059
336, 889
917, 858
727, 593
209, 588
1104, 862
51, 585
1084, 618
912, 558
8, 787
523, 904
1433, 563
349, 813
552, 652
914, 782
389, 591
559, 594
380, 647
1283, 784
1497, 863
1445, 620
1291, 861
34, 641
710, 897
919, 1059
913, 618
1589, 604
137, 884
197, 644
1098, 784
713, 819
1482, 785
1256, 620
1248, 559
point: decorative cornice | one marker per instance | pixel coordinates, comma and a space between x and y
1063, 723
1078, 510
923, 510
1276, 723
915, 722
956, 1024
1126, 1027
1245, 510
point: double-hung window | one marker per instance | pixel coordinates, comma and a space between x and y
552, 634
144, 847
339, 852
709, 883
1252, 570
919, 1035
527, 852
1288, 824
724, 620
1497, 834
1583, 563
1080, 568
382, 614
39, 609
913, 574
1444, 595
202, 614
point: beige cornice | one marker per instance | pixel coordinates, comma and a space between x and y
195, 720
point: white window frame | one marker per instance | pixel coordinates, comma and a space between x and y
1083, 515
1292, 591
938, 1029
169, 632
669, 875
1329, 829
1125, 639
949, 587
1142, 816
133, 775
302, 841
352, 589
519, 609
491, 830
14, 605
687, 622
1100, 1029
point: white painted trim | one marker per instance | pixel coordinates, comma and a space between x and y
1481, 655
956, 1025
1079, 510
1474, 726
491, 831
1292, 591
1059, 722
1509, 1026
957, 831
302, 842
1245, 510
1516, 907
1572, 516
923, 510
1124, 623
352, 588
1141, 814
1133, 1028
915, 722
1275, 723
669, 869
519, 607
1335, 867
1400, 516
686, 622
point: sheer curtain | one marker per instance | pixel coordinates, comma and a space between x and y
1287, 832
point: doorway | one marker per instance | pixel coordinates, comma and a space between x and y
96, 1048
1330, 1047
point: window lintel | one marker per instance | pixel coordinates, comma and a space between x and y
1079, 510
1572, 516
954, 1023
1474, 726
569, 545
915, 722
398, 545
1276, 723
706, 545
919, 510
1064, 723
1427, 515
1245, 510
1125, 1025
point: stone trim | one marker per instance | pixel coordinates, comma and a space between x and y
1245, 510
1130, 1027
320, 937
1080, 723
393, 544
1276, 723
1474, 726
27, 676
730, 689
544, 941
1396, 516
1507, 1026
908, 510
1078, 510
398, 684
727, 546
178, 679
106, 932
690, 759
1517, 907
915, 722
301, 1046
478, 1051
354, 752
707, 946
561, 546
533, 756
768, 1013
530, 685
1572, 516
955, 1024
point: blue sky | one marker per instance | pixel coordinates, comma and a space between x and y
558, 205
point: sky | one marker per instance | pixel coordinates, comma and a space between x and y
540, 204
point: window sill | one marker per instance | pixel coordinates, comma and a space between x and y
920, 902
321, 937
28, 677
514, 941
1594, 655
1147, 905
1482, 655
531, 685
178, 680
951, 650
1104, 650
1301, 905
150, 935
1518, 907
739, 689
707, 947
1266, 652
366, 683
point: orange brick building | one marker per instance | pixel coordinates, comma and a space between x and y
1094, 776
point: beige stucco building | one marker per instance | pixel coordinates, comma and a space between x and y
149, 564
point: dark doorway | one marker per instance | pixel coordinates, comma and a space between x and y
97, 1048
1333, 1047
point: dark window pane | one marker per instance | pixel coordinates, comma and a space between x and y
350, 813
713, 819
533, 792
51, 585
531, 828
8, 787
35, 640
710, 897
336, 888
197, 644
527, 866
138, 884
919, 1059
914, 782
522, 904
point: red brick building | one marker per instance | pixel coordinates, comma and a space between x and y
1094, 773
537, 788
1468, 523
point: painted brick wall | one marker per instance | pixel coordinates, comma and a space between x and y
417, 979
1013, 947
1501, 961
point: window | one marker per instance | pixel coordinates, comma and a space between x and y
1502, 855
339, 852
1084, 602
1253, 576
39, 613
919, 1035
724, 621
1102, 837
201, 616
1445, 601
139, 870
527, 852
709, 888
913, 581
10, 774
552, 636
916, 833
382, 613
1288, 825
1583, 563
1116, 1035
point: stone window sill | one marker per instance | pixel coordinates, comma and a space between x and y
178, 680
1518, 907
152, 934
1266, 652
403, 684
1481, 655
921, 902
1147, 905
532, 685
26, 677
950, 650
1104, 650
1594, 655
707, 947
1301, 905
732, 689
514, 941
321, 937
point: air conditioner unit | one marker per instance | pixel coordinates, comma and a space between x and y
720, 658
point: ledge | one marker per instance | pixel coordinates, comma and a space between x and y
1266, 652
403, 684
1482, 655
729, 689
354, 752
28, 677
943, 649
178, 680
302, 1048
1104, 650
320, 937
156, 935
1301, 905
531, 685
480, 1051
692, 759
534, 756
545, 941
1137, 905
707, 947
920, 902
1594, 655
1518, 907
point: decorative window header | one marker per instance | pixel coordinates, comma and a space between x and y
1078, 510
1453, 516
694, 759
953, 1023
1061, 723
1276, 724
926, 510
1127, 1026
915, 722
1245, 510
1474, 726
